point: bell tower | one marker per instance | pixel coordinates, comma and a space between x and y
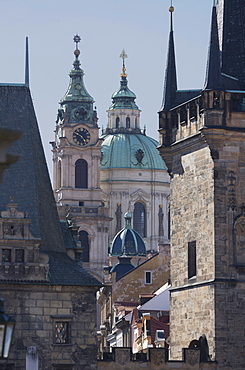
76, 160
202, 140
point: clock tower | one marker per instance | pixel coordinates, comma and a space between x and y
76, 157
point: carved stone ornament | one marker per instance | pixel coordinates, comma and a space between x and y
12, 211
139, 155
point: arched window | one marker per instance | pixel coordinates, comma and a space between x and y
59, 175
117, 122
83, 238
127, 122
136, 122
81, 174
139, 219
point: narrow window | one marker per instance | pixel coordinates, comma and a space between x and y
19, 255
6, 255
148, 277
117, 122
61, 335
192, 264
83, 238
127, 122
81, 174
139, 219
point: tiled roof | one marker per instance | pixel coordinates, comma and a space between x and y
28, 182
66, 271
67, 236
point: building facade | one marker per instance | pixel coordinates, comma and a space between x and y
50, 295
76, 158
202, 136
134, 178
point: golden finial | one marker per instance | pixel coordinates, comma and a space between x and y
171, 8
123, 55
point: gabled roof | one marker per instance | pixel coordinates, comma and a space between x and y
27, 181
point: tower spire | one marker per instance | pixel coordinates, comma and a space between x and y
170, 84
213, 72
231, 24
27, 65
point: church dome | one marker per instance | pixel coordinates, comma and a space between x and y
128, 242
126, 150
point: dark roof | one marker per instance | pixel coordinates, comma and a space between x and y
122, 267
67, 235
66, 271
28, 180
170, 83
213, 73
231, 18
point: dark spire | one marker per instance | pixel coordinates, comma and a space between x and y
231, 23
213, 73
170, 84
27, 65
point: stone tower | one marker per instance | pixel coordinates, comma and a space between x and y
76, 157
202, 140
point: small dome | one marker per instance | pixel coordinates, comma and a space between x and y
128, 242
123, 98
130, 151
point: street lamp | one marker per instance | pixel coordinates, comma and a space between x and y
7, 325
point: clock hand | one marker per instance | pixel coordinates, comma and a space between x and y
80, 135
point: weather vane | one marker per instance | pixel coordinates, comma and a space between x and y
77, 39
123, 55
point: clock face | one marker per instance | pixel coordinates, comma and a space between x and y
81, 136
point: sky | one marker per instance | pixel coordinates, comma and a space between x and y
141, 27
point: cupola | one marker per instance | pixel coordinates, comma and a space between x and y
128, 242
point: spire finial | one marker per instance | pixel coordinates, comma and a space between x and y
76, 39
27, 65
171, 10
123, 55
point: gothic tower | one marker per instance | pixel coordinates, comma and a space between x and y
76, 157
202, 140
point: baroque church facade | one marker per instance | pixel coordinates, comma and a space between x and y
202, 137
97, 179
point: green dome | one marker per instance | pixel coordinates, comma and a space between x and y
130, 151
123, 98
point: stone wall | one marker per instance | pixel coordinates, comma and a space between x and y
36, 309
155, 359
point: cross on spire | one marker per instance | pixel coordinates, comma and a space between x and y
123, 55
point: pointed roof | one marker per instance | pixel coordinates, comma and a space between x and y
213, 73
170, 84
27, 181
231, 23
123, 98
76, 91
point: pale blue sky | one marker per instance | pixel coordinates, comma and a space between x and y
106, 27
